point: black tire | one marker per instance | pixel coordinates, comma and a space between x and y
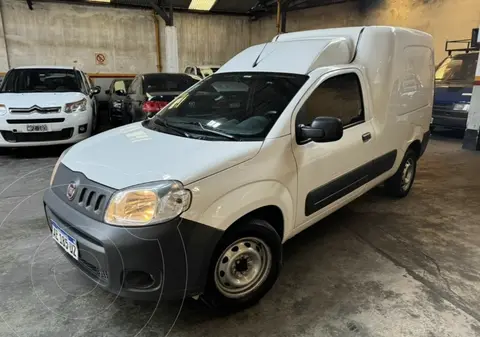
396, 185
256, 228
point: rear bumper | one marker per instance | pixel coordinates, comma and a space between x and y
450, 119
176, 255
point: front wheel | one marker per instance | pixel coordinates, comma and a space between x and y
244, 266
400, 184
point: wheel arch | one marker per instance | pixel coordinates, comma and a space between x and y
267, 200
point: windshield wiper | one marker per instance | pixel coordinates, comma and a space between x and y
220, 133
164, 123
216, 132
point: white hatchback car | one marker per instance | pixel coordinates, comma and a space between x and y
46, 106
198, 200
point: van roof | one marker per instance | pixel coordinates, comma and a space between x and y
302, 52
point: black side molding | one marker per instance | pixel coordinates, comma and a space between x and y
349, 182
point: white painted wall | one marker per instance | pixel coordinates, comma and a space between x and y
65, 34
207, 39
62, 34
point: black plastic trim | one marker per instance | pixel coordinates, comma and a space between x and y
425, 140
177, 254
349, 182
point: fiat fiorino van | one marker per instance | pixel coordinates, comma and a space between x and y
198, 200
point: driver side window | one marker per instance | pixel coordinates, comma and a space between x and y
339, 96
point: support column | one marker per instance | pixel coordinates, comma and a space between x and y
4, 57
171, 64
471, 140
164, 8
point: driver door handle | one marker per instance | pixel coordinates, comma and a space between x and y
366, 137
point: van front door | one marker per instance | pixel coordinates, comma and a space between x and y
331, 174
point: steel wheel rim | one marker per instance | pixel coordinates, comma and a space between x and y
243, 267
407, 174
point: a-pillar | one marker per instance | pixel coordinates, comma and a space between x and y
171, 64
471, 140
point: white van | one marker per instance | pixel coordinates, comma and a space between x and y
46, 105
198, 200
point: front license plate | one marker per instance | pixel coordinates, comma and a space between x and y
65, 241
37, 127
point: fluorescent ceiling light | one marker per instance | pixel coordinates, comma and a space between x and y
202, 5
107, 1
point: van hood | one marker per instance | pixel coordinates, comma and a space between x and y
41, 99
453, 93
131, 155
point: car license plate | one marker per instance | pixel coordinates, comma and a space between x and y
37, 127
65, 241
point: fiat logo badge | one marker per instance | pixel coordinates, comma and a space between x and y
71, 189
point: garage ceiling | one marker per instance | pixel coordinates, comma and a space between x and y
254, 8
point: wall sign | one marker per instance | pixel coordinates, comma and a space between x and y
100, 59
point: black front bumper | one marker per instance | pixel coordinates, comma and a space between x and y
176, 254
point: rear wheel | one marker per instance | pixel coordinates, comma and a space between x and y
244, 267
400, 184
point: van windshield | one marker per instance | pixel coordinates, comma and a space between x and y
41, 80
459, 67
244, 106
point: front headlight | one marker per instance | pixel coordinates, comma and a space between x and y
57, 164
3, 109
462, 106
148, 204
78, 106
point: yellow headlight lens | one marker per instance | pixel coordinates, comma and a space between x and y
132, 208
148, 204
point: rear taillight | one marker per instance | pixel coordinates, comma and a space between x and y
153, 106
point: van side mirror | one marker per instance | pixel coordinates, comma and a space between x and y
322, 130
107, 92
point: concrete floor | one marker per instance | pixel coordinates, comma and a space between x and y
378, 267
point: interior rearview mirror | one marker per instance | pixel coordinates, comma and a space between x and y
322, 130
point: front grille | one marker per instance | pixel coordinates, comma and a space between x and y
35, 121
35, 109
20, 137
90, 198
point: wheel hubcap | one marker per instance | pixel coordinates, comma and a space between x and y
243, 267
407, 174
